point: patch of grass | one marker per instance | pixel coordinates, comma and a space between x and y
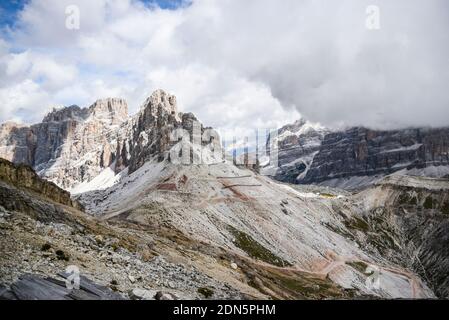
406, 199
327, 195
358, 265
445, 208
206, 292
403, 198
339, 231
428, 203
304, 287
254, 249
61, 255
383, 241
358, 224
46, 247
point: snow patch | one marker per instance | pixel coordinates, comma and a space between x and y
298, 193
106, 179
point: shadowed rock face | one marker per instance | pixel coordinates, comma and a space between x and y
298, 143
23, 177
17, 143
152, 127
364, 152
359, 152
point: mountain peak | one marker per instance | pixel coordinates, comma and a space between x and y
160, 99
113, 109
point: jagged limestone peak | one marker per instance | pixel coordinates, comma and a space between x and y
160, 99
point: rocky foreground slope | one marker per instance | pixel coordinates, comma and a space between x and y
357, 157
150, 222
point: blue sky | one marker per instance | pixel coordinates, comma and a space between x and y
10, 8
167, 4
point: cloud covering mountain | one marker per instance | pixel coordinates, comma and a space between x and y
258, 64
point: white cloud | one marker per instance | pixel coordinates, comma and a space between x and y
238, 64
24, 98
221, 98
53, 75
17, 64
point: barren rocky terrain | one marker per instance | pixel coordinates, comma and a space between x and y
140, 225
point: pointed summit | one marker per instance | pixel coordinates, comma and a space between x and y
160, 100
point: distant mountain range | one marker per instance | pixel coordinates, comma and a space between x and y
358, 156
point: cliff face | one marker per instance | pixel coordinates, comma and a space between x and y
74, 145
364, 152
297, 143
23, 177
70, 145
152, 127
17, 143
335, 158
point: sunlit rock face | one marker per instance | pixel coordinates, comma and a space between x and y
72, 145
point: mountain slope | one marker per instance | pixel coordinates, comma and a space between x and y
41, 234
276, 225
412, 215
128, 256
166, 211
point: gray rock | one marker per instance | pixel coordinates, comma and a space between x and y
34, 287
142, 294
160, 295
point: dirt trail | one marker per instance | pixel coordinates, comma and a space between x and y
339, 261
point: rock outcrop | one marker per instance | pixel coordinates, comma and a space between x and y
364, 152
35, 287
17, 143
23, 177
71, 145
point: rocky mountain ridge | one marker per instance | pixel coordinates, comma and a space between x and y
358, 156
73, 146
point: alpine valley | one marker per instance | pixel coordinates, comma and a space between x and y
147, 207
